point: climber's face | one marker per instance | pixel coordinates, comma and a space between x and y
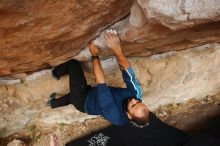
136, 108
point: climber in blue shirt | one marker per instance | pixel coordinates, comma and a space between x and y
117, 105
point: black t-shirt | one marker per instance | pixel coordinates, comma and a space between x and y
156, 133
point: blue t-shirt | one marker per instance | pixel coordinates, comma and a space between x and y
109, 101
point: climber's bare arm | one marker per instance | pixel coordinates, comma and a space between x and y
112, 41
97, 68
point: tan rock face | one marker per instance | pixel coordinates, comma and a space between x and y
166, 78
157, 26
177, 14
37, 34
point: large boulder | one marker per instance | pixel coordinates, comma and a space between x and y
39, 34
157, 26
36, 33
166, 78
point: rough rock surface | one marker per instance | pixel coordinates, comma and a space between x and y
190, 116
166, 78
15, 143
157, 26
177, 14
39, 34
36, 33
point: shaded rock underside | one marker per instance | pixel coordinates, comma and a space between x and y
37, 34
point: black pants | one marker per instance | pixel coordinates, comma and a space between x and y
77, 83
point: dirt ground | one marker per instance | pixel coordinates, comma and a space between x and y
191, 116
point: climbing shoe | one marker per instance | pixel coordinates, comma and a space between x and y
50, 98
54, 74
